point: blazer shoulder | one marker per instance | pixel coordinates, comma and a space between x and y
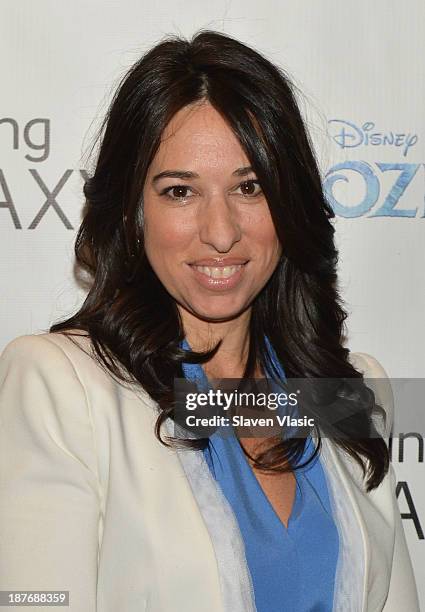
376, 378
45, 360
72, 351
42, 397
368, 365
30, 349
44, 351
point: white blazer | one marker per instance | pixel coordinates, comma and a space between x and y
91, 502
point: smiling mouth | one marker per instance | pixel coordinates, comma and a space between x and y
218, 271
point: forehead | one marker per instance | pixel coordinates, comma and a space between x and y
198, 135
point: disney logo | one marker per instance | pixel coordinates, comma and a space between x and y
348, 135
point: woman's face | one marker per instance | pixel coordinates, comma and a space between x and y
209, 235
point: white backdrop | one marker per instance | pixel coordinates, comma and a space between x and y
360, 66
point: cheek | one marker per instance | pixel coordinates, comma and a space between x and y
262, 233
269, 252
165, 239
162, 237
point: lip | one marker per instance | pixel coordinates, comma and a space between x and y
219, 284
219, 262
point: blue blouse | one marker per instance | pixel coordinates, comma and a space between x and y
292, 568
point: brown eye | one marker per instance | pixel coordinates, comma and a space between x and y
250, 188
176, 192
180, 191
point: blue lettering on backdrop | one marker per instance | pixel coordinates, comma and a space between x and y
372, 188
348, 135
371, 181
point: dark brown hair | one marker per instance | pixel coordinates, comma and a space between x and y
133, 322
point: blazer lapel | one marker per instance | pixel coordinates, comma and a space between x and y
237, 591
350, 593
351, 579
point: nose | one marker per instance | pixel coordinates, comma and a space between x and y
218, 224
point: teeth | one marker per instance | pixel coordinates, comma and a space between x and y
218, 272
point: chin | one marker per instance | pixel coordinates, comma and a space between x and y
217, 314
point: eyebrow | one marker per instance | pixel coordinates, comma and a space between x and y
187, 174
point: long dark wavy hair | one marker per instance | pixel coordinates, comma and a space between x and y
134, 324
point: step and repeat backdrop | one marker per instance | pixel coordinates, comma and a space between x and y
360, 68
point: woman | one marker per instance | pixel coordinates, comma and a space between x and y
211, 249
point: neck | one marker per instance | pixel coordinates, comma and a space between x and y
202, 335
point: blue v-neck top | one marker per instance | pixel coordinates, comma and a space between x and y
292, 568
